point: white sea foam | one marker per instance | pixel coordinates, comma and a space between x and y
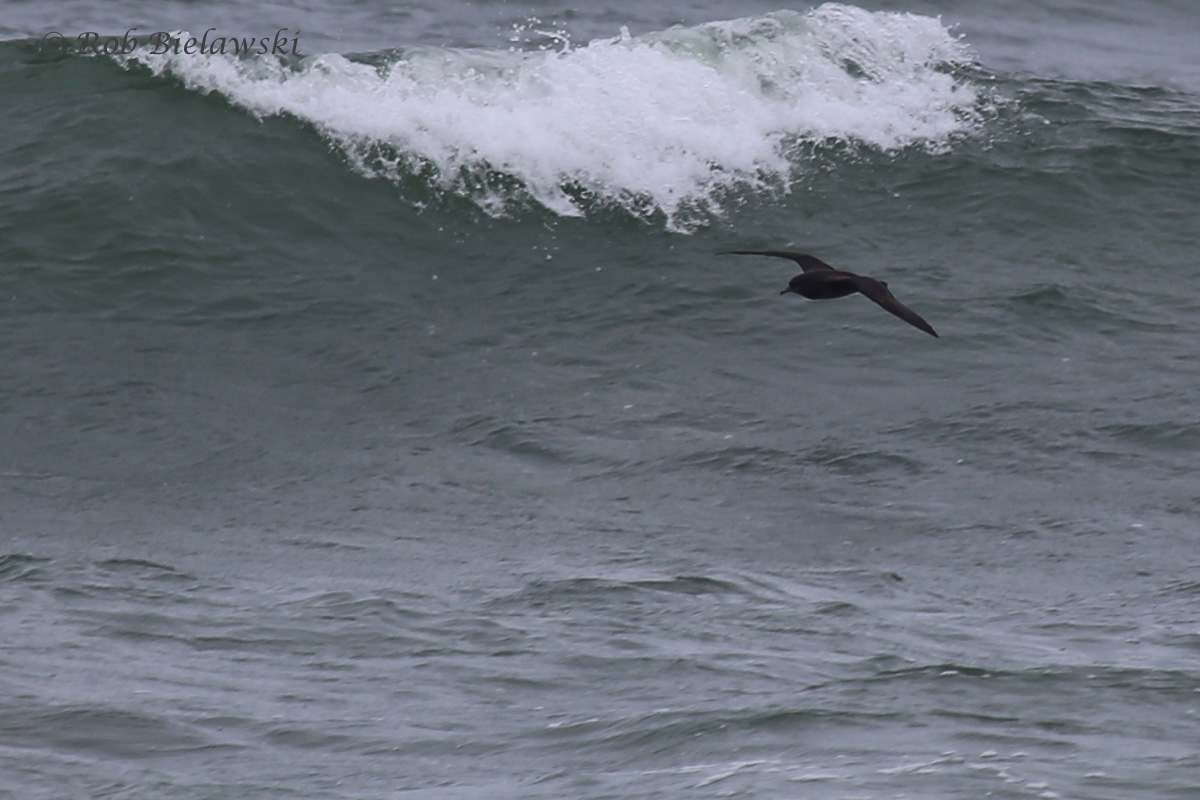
663, 125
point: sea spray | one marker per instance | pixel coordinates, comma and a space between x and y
665, 126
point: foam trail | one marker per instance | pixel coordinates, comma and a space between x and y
663, 125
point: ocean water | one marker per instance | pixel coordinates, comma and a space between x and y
378, 419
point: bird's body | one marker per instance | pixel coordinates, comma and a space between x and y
819, 281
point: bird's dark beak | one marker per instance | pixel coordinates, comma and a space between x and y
785, 291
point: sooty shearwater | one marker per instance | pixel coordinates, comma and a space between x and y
819, 281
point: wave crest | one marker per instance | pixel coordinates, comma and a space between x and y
664, 125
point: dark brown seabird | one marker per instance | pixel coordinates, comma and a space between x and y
819, 281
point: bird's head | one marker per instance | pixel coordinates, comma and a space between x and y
794, 285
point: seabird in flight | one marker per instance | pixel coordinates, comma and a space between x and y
819, 281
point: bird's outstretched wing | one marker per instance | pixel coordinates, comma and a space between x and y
878, 293
807, 263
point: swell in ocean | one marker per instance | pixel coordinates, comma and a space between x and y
667, 126
683, 127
